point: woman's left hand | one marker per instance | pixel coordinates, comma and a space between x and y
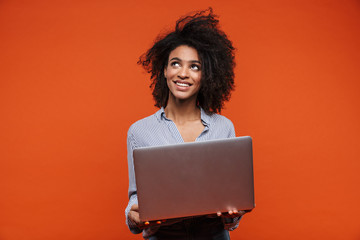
233, 213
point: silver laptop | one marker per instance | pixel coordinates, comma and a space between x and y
196, 178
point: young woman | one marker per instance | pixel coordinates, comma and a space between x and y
192, 75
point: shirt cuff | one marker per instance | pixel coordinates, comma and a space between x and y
231, 224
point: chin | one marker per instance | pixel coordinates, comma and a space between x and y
181, 97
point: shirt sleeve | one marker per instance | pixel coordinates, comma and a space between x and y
131, 145
231, 130
231, 224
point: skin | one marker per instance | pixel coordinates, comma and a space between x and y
183, 76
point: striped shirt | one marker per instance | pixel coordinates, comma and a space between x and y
157, 130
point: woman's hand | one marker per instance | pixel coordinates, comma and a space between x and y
134, 214
135, 217
233, 213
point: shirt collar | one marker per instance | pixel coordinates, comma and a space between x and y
205, 118
160, 114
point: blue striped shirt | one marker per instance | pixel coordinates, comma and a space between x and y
157, 130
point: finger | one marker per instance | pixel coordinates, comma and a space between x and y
134, 207
218, 214
134, 216
242, 212
230, 212
235, 211
158, 222
146, 223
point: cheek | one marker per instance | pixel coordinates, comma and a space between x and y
171, 72
198, 77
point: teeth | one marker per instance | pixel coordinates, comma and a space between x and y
182, 84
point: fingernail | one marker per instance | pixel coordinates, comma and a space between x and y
219, 214
147, 223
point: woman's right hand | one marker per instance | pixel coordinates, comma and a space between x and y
134, 214
135, 217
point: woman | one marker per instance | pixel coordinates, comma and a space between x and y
192, 75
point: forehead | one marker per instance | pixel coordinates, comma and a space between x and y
184, 53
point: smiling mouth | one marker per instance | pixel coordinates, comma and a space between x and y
182, 84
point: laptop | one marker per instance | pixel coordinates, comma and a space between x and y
197, 178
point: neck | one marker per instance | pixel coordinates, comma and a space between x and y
182, 111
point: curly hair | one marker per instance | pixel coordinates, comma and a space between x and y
201, 32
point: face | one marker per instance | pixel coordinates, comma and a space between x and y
183, 73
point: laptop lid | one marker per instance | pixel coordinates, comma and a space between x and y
194, 178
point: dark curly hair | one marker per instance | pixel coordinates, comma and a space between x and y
215, 50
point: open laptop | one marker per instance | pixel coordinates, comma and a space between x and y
196, 178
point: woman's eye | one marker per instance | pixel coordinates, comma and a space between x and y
175, 64
195, 67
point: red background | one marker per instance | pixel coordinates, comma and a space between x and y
70, 88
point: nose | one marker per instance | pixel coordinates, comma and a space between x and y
183, 73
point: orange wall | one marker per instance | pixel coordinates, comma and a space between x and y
70, 88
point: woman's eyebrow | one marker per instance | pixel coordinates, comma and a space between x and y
178, 59
195, 61
175, 58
